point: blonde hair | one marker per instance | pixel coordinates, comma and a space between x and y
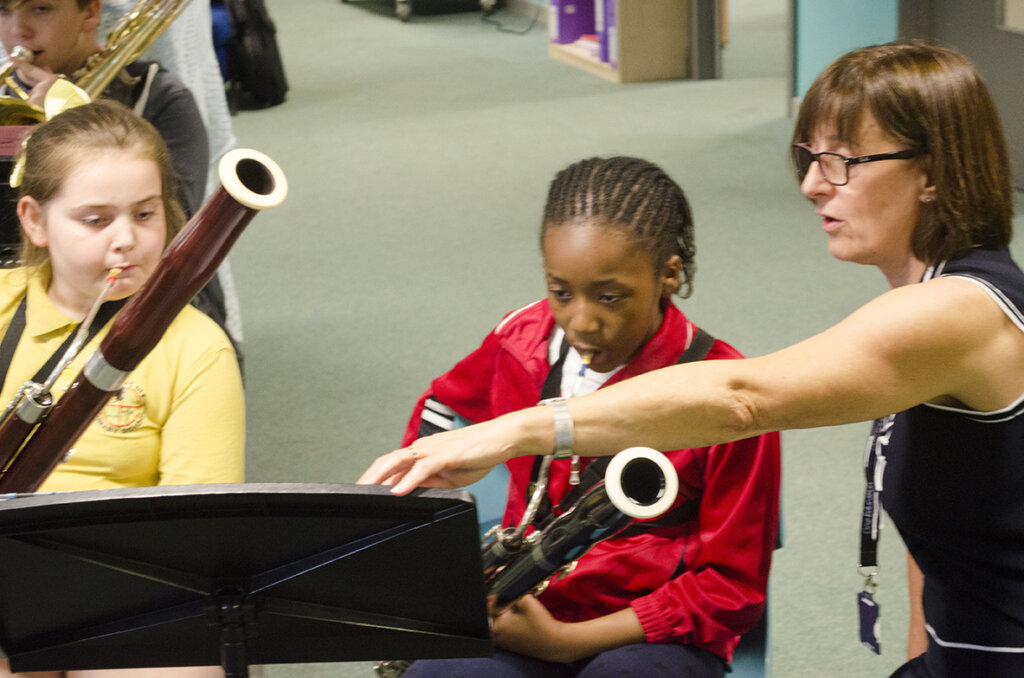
59, 145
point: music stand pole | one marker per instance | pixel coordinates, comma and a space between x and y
231, 607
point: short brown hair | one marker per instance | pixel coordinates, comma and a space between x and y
57, 146
930, 99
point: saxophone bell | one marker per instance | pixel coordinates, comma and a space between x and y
15, 110
22, 53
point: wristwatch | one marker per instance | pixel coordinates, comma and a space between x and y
563, 427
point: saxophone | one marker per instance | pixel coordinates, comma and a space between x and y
133, 34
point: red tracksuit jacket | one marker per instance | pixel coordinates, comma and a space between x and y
700, 582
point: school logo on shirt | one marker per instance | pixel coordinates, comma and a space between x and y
125, 411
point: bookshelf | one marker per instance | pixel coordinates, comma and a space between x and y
652, 43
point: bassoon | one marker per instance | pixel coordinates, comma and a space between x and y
639, 483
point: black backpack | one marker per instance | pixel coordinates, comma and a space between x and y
256, 74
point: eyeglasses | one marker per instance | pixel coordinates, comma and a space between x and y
835, 167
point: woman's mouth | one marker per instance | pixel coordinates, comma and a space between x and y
829, 224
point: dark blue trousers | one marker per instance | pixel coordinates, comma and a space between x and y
643, 660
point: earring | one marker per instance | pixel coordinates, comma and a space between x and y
928, 197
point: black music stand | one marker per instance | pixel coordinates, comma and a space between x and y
236, 575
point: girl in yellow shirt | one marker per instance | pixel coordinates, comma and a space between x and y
98, 194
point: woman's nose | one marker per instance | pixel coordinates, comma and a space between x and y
814, 182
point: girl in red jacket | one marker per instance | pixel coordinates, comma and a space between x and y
668, 598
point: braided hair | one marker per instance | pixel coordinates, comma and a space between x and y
631, 195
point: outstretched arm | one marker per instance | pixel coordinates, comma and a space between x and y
944, 340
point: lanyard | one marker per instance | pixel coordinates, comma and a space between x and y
871, 518
870, 524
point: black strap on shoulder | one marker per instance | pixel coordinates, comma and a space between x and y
10, 341
553, 382
698, 349
17, 327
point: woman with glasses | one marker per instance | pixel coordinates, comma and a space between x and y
901, 152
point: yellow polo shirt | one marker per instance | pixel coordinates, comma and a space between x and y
179, 419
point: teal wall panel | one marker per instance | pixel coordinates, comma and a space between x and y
825, 29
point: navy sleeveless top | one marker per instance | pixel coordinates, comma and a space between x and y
954, 486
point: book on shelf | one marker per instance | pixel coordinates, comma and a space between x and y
570, 19
588, 46
607, 32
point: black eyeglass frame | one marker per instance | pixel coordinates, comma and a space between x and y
847, 161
